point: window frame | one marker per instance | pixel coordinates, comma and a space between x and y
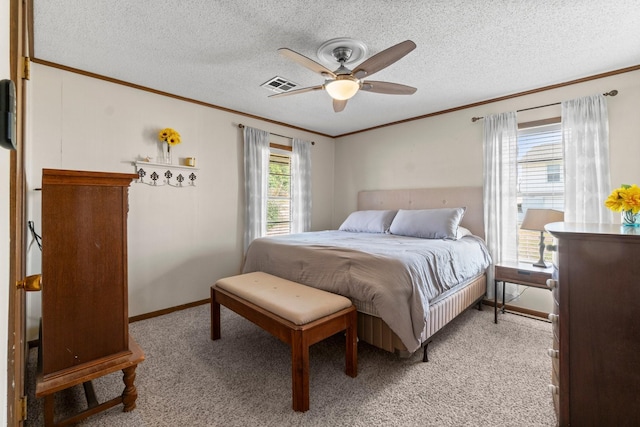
528, 241
284, 151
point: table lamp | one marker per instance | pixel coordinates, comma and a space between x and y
535, 220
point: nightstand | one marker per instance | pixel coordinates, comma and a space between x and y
520, 273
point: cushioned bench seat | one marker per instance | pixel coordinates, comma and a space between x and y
296, 314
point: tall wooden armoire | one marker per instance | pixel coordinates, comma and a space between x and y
85, 327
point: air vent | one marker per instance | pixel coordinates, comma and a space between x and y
279, 84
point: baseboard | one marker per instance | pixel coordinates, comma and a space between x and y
168, 310
35, 343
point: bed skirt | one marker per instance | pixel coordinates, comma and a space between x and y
373, 330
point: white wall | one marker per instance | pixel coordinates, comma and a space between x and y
5, 73
181, 240
446, 150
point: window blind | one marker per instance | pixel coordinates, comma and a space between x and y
279, 194
540, 181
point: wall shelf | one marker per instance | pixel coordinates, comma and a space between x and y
158, 174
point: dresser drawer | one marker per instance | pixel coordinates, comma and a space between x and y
555, 308
555, 326
554, 285
554, 387
555, 363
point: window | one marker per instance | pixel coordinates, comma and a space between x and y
553, 173
540, 180
279, 193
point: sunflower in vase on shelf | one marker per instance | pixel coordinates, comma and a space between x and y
171, 137
626, 200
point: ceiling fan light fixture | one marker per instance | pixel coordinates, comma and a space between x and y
342, 89
343, 83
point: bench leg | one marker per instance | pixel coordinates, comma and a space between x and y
351, 354
300, 372
215, 316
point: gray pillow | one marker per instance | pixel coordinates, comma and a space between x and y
374, 221
428, 223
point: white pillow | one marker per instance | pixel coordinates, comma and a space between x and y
428, 223
463, 232
375, 221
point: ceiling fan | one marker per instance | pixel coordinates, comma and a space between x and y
342, 84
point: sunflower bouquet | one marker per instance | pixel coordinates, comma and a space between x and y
625, 199
170, 136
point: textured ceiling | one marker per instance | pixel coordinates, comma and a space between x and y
220, 52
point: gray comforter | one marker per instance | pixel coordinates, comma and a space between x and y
399, 275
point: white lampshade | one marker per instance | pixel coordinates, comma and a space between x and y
536, 219
342, 89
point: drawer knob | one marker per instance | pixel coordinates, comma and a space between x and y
553, 318
552, 284
553, 353
554, 389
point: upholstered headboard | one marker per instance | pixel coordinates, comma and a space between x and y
430, 198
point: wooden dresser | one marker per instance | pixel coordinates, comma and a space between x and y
596, 346
84, 331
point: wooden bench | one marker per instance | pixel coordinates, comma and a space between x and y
298, 315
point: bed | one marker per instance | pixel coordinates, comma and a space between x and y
411, 260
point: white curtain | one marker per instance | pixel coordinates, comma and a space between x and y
256, 176
300, 186
499, 191
585, 140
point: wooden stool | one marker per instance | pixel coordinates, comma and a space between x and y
296, 314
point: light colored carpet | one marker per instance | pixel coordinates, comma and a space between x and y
479, 374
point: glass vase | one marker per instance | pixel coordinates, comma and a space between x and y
629, 219
167, 154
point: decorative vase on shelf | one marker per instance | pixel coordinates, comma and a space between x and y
167, 154
629, 219
167, 138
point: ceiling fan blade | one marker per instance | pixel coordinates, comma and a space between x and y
306, 62
383, 59
338, 105
297, 91
388, 88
